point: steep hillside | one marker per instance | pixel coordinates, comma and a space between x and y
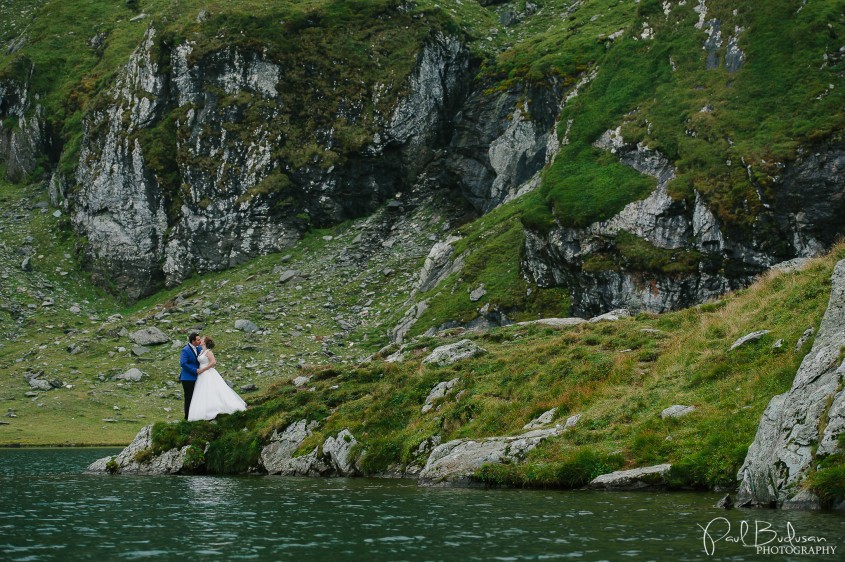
326, 185
651, 155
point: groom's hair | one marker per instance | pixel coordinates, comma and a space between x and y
209, 343
192, 337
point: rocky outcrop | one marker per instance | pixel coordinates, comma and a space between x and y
440, 390
135, 460
801, 426
634, 479
455, 462
277, 456
452, 353
700, 259
503, 140
24, 139
180, 171
339, 456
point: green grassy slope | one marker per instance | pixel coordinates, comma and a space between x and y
618, 375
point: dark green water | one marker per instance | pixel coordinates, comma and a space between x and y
50, 510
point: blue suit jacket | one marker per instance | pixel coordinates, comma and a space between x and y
189, 363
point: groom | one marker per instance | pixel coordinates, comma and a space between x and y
189, 360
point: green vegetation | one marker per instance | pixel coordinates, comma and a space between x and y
618, 375
491, 247
718, 128
828, 480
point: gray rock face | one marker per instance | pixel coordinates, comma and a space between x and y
557, 258
169, 462
339, 453
801, 426
39, 384
337, 458
22, 145
634, 479
230, 198
438, 265
502, 141
149, 336
455, 462
453, 352
277, 456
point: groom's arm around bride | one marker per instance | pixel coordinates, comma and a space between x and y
189, 362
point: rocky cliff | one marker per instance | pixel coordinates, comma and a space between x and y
802, 426
204, 148
187, 167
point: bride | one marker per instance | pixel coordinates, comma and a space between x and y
212, 396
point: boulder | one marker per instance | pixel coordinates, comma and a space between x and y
676, 411
554, 322
440, 390
149, 336
634, 479
39, 384
451, 353
725, 503
612, 316
287, 275
477, 293
572, 421
133, 374
246, 326
455, 462
805, 500
752, 337
301, 381
139, 350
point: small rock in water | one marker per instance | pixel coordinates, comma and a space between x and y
725, 503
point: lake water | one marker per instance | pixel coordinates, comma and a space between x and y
51, 510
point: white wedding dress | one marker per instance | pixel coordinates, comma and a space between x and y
212, 396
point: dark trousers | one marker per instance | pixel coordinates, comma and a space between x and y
188, 388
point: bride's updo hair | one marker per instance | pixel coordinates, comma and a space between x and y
209, 343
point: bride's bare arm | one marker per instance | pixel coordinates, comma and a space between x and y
211, 360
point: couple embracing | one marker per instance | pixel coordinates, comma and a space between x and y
206, 393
